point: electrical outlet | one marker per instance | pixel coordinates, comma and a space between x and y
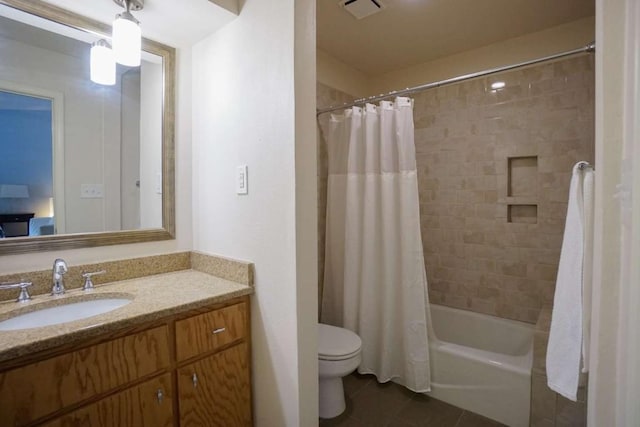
91, 191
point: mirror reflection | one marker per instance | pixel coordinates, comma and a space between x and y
77, 156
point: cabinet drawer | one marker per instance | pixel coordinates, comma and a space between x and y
209, 331
148, 405
33, 391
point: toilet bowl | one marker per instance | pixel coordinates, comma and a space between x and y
338, 356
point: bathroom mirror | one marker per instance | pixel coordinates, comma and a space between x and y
82, 164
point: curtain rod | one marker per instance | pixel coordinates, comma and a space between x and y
591, 47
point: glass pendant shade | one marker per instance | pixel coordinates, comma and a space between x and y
127, 40
103, 66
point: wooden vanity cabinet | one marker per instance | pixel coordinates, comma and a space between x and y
191, 369
214, 385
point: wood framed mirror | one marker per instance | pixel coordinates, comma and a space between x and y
112, 175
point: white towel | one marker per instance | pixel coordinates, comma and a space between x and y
571, 305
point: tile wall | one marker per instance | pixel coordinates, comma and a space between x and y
494, 168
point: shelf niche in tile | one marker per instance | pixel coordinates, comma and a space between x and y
523, 214
523, 176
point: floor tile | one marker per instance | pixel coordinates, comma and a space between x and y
355, 382
469, 419
426, 411
376, 404
370, 404
341, 421
395, 422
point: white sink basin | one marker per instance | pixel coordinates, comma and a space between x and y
62, 313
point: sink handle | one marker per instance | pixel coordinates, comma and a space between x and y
24, 294
88, 283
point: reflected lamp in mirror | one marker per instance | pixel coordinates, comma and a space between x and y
12, 191
103, 65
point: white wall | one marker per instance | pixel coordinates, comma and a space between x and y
150, 148
603, 377
338, 75
244, 113
130, 149
306, 210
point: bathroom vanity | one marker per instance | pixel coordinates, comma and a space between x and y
177, 355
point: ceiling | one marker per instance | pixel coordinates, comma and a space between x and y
410, 32
48, 40
178, 24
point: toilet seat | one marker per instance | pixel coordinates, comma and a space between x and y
337, 343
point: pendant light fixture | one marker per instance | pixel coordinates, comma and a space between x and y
103, 66
127, 36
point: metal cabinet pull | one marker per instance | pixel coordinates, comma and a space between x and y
195, 380
219, 330
160, 395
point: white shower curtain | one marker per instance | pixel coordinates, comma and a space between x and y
375, 282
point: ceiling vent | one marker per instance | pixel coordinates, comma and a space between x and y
362, 8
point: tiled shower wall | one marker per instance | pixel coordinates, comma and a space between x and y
494, 168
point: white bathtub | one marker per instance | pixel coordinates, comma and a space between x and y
482, 363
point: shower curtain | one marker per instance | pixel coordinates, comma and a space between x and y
375, 282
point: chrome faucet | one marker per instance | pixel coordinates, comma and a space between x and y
24, 294
59, 269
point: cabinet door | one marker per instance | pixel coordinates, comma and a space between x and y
216, 390
147, 405
42, 388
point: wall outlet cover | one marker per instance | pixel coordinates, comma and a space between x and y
91, 191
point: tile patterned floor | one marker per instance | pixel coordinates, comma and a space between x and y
370, 404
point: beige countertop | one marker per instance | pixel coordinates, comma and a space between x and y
153, 297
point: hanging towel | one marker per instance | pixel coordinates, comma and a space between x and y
571, 305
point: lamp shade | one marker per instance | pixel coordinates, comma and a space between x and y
127, 40
103, 66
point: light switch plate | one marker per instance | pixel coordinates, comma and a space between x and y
242, 179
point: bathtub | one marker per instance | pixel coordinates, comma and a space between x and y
482, 363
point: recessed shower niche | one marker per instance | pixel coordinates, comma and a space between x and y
527, 214
522, 189
523, 176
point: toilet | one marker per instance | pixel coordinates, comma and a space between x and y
338, 356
